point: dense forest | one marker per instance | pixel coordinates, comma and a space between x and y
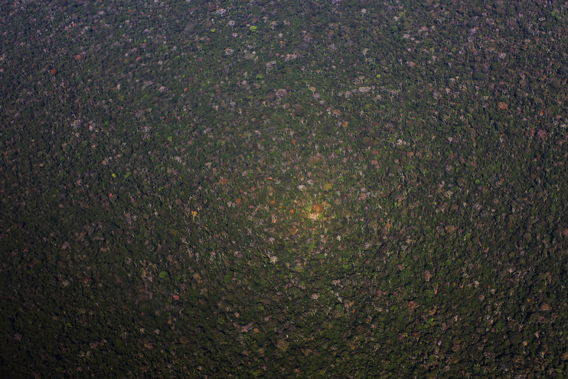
278, 189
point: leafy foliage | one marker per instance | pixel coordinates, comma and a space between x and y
327, 189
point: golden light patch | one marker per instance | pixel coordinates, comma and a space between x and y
317, 207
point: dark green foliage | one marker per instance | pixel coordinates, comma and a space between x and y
347, 189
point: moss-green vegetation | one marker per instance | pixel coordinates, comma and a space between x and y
265, 189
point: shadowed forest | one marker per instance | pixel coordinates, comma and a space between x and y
280, 189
